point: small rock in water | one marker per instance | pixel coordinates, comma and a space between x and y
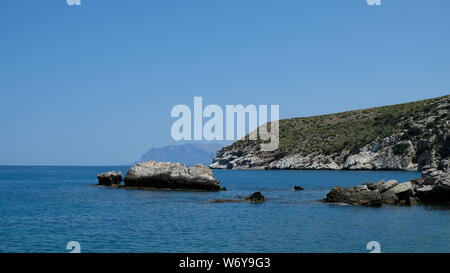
110, 179
298, 188
256, 197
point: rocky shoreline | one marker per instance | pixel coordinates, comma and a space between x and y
433, 187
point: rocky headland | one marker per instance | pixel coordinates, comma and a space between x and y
407, 136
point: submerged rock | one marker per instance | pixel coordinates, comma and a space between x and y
109, 179
437, 193
298, 188
166, 175
225, 201
255, 197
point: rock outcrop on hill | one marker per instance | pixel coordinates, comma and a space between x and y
433, 187
164, 175
399, 137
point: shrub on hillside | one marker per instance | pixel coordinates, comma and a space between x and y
400, 149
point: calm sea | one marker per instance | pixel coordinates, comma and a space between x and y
43, 208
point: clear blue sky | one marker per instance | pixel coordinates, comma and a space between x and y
95, 84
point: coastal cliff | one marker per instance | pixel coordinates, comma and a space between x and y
407, 136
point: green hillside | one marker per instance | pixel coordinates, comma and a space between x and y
333, 133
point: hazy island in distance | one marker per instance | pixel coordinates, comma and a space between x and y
189, 154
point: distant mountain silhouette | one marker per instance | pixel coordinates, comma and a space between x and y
189, 154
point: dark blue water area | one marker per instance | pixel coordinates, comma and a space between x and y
43, 208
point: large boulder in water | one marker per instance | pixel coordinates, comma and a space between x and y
358, 195
373, 194
437, 193
109, 178
166, 175
398, 193
382, 185
436, 186
425, 193
442, 190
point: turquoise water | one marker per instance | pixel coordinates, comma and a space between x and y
43, 208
